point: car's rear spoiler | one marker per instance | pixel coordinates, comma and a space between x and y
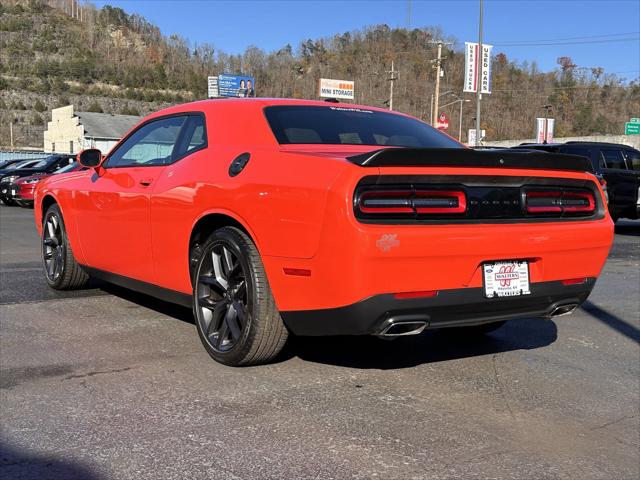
464, 157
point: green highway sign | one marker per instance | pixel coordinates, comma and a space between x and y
634, 120
632, 128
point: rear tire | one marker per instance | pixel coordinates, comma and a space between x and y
236, 316
8, 202
61, 270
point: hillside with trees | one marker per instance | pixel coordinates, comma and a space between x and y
53, 54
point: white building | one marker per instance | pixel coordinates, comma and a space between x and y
71, 132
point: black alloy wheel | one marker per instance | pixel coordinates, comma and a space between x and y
61, 270
53, 247
222, 297
235, 312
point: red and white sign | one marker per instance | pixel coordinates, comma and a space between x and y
544, 133
471, 68
442, 123
506, 279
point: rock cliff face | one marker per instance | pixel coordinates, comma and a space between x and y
108, 60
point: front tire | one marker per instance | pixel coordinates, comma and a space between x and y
61, 270
236, 315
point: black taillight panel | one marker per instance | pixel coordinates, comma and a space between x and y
559, 202
516, 199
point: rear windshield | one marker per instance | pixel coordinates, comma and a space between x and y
351, 126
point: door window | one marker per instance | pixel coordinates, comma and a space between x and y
633, 159
152, 144
613, 159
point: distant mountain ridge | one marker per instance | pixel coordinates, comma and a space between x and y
108, 60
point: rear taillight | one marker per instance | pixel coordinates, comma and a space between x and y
411, 202
558, 202
389, 201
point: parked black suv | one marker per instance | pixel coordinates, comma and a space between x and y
619, 165
27, 168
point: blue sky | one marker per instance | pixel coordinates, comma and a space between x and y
594, 33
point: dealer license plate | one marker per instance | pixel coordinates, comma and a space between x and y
506, 279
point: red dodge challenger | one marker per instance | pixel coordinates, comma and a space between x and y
276, 217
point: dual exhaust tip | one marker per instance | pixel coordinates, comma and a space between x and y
399, 327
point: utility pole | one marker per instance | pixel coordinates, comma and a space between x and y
479, 63
11, 133
437, 92
393, 75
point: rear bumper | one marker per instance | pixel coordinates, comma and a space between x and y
450, 308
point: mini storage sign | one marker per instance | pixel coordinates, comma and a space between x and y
342, 89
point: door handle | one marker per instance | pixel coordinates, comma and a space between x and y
145, 182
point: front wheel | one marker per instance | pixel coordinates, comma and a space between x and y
236, 315
61, 270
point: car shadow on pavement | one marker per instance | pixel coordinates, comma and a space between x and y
372, 352
630, 229
618, 324
166, 308
32, 466
429, 347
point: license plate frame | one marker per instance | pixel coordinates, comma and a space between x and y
506, 278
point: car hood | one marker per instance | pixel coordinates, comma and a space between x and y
31, 177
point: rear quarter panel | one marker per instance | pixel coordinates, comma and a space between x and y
279, 197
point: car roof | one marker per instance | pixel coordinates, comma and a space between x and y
573, 142
245, 123
259, 103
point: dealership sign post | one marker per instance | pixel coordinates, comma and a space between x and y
341, 89
471, 68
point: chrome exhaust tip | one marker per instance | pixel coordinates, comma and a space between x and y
400, 328
561, 310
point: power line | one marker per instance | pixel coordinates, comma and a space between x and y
585, 37
581, 42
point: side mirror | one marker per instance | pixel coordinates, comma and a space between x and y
90, 158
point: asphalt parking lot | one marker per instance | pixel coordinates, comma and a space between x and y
105, 383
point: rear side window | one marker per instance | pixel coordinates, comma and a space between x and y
351, 126
633, 159
613, 159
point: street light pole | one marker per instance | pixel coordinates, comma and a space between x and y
479, 78
545, 128
460, 119
461, 100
